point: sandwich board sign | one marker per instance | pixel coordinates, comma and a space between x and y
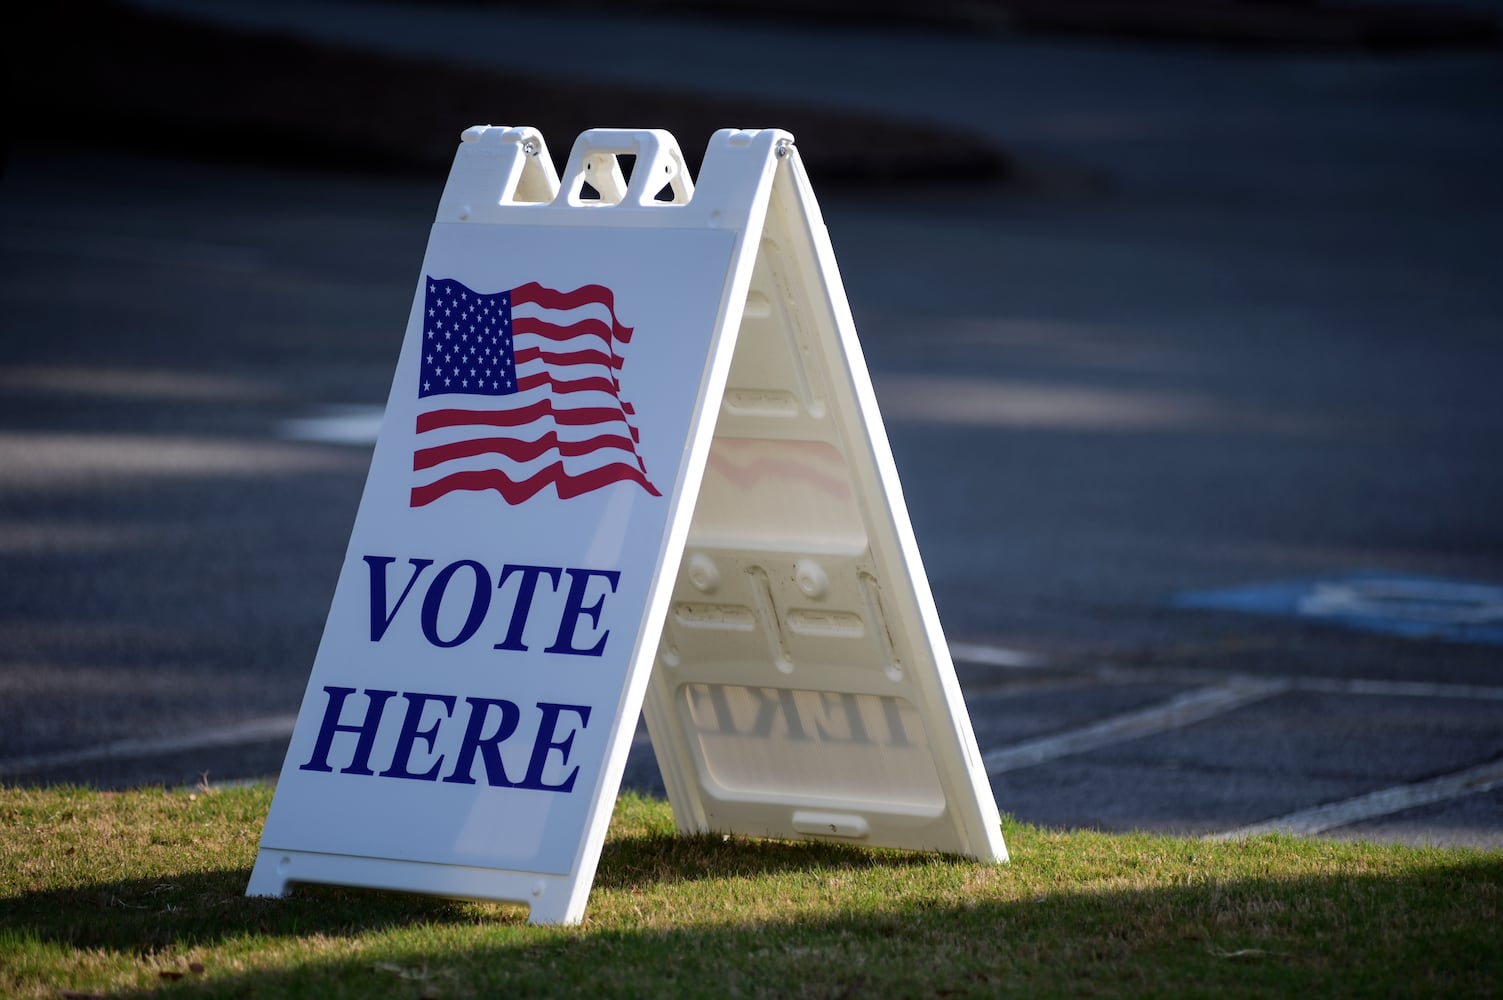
631, 463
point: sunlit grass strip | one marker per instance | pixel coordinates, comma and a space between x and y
105, 894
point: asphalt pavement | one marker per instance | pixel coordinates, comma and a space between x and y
1233, 325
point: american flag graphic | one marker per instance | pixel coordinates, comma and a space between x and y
522, 389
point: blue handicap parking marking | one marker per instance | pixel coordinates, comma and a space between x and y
1416, 607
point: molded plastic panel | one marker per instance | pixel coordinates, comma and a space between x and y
631, 452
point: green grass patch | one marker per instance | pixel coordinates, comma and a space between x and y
143, 893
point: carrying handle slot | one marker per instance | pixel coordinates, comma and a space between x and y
658, 167
497, 166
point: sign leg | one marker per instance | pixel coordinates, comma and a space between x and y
265, 878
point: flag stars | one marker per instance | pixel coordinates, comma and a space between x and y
475, 354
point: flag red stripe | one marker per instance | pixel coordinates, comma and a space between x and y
515, 449
552, 298
564, 358
584, 295
580, 417
522, 326
516, 492
598, 383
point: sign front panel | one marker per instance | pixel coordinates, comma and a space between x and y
489, 607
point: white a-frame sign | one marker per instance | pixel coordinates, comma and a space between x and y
631, 461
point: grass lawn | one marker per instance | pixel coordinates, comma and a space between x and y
120, 894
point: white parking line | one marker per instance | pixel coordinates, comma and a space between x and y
275, 727
1384, 802
993, 656
1182, 710
1399, 689
353, 425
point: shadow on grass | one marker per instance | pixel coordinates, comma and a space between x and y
1431, 930
208, 908
204, 908
657, 859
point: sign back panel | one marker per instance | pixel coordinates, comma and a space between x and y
804, 688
